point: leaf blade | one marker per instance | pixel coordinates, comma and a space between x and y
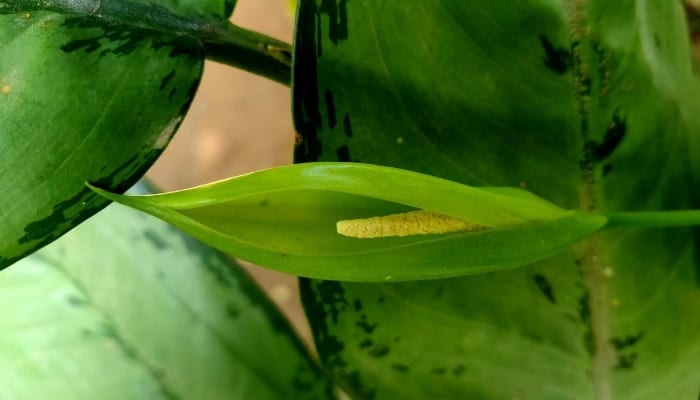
85, 96
590, 105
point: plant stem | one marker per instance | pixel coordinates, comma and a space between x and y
251, 51
654, 219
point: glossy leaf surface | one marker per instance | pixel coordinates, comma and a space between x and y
285, 218
591, 105
87, 92
126, 307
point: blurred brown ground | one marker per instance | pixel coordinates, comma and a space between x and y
238, 123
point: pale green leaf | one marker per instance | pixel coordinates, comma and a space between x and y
125, 307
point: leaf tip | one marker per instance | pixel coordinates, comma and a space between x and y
104, 193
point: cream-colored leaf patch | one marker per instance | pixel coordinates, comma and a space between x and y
166, 134
419, 222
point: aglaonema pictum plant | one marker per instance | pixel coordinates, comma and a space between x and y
494, 200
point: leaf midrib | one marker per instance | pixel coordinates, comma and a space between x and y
591, 265
168, 392
164, 389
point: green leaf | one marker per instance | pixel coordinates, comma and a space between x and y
591, 105
116, 12
305, 219
126, 307
85, 95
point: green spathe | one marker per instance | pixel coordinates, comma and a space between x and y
286, 218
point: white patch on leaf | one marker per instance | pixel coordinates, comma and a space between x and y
167, 133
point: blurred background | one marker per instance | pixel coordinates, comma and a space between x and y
239, 123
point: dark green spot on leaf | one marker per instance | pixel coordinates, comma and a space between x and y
545, 287
379, 351
343, 153
556, 59
400, 367
155, 239
330, 109
347, 126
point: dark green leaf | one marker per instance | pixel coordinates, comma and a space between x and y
591, 105
125, 307
85, 95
